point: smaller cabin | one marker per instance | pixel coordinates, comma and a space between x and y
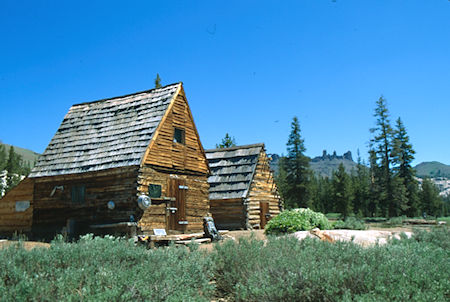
243, 194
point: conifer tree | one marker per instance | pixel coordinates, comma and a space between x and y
2, 157
342, 192
227, 142
296, 165
431, 202
158, 81
402, 157
361, 187
376, 193
13, 168
380, 144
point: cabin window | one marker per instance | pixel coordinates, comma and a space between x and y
178, 136
78, 193
154, 191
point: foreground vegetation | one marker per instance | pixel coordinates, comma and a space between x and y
281, 269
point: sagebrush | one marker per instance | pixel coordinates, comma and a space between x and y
279, 269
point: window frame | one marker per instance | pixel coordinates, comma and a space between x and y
182, 134
78, 194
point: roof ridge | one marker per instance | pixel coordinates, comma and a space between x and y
126, 95
235, 148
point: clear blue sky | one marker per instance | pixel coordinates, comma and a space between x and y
247, 66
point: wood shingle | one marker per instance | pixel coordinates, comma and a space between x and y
105, 134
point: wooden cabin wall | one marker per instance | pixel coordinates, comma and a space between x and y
262, 189
197, 203
17, 221
51, 213
228, 214
164, 152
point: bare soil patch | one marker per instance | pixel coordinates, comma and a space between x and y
28, 245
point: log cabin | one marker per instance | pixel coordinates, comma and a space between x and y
243, 194
105, 155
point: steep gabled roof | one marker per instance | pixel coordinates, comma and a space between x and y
232, 170
105, 134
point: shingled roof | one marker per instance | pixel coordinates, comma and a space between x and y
105, 134
232, 170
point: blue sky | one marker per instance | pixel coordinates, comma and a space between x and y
247, 66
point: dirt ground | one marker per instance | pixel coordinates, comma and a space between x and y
28, 245
233, 235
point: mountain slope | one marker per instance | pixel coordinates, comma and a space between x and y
432, 169
27, 155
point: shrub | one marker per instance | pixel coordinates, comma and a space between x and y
395, 221
351, 223
284, 269
291, 221
104, 269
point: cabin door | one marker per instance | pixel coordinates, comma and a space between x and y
264, 214
177, 210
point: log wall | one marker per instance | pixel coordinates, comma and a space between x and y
164, 152
51, 212
228, 214
17, 221
262, 189
197, 203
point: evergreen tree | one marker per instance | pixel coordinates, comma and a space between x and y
313, 192
280, 179
297, 169
376, 192
380, 144
342, 191
402, 157
2, 157
227, 142
399, 197
158, 81
13, 169
361, 187
431, 202
325, 191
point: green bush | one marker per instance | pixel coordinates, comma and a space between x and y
395, 221
291, 221
284, 269
104, 269
351, 223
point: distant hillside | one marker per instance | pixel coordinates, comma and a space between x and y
27, 155
432, 169
323, 165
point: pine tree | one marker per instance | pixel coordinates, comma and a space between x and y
158, 81
380, 144
13, 168
376, 192
361, 186
280, 178
342, 192
227, 142
431, 202
402, 157
297, 169
2, 157
313, 201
